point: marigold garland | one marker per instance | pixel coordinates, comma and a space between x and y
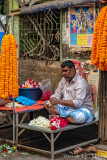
99, 44
8, 68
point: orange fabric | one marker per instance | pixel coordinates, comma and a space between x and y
36, 106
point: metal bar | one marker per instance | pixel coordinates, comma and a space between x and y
46, 137
58, 151
36, 29
69, 127
13, 121
21, 132
52, 146
17, 129
74, 146
33, 128
23, 118
10, 118
34, 149
57, 136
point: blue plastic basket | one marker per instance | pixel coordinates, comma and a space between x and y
31, 93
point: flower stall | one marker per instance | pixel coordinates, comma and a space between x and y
51, 128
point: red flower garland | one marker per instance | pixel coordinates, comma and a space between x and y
58, 122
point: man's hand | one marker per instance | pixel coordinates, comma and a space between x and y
54, 101
45, 104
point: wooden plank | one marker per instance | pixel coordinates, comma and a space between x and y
106, 109
100, 103
15, 13
103, 106
102, 118
15, 10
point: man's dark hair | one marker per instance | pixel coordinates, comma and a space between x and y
68, 64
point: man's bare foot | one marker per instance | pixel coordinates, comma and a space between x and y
71, 120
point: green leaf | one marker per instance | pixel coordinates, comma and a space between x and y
4, 155
24, 153
9, 152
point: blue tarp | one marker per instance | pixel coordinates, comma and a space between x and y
1, 36
52, 5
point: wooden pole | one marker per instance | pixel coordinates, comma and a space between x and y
106, 108
103, 106
14, 14
100, 97
15, 10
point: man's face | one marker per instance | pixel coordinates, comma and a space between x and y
68, 73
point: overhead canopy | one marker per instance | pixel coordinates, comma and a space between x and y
52, 5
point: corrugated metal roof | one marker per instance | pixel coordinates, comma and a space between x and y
52, 5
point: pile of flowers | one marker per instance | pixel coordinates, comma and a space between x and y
8, 68
7, 150
99, 44
57, 122
40, 122
54, 123
16, 104
30, 84
46, 95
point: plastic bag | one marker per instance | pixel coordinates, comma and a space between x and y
46, 89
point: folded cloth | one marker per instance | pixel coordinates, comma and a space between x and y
25, 101
81, 115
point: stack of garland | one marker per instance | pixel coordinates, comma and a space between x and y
99, 45
8, 68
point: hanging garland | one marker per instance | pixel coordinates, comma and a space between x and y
99, 44
8, 68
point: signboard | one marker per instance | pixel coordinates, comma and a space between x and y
81, 25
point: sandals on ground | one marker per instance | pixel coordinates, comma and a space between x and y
76, 151
91, 149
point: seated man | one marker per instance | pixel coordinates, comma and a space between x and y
72, 99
